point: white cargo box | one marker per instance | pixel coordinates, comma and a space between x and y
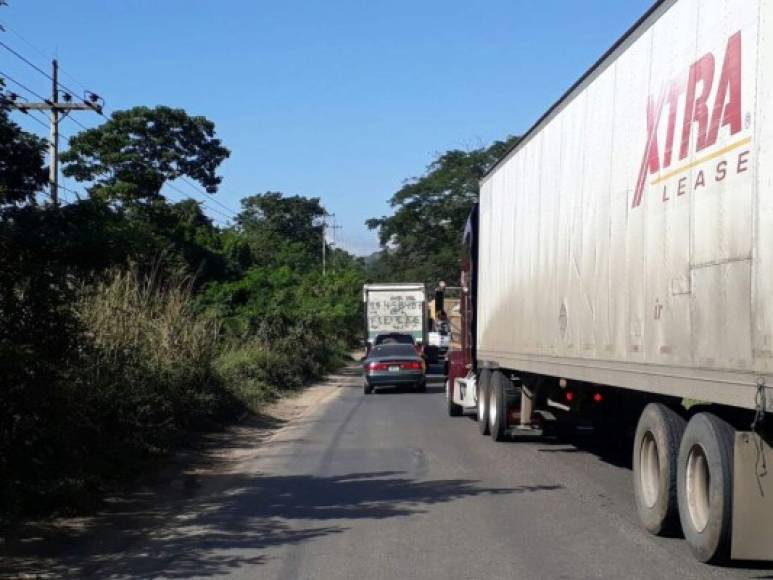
628, 238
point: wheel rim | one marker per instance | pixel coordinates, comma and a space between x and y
698, 482
492, 411
649, 470
481, 406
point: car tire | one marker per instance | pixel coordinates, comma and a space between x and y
705, 487
655, 459
421, 387
366, 388
484, 383
454, 410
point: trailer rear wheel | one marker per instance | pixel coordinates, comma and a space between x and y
484, 386
705, 486
655, 453
454, 410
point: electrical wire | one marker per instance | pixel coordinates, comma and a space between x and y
36, 67
77, 122
187, 196
101, 112
204, 192
23, 86
30, 113
40, 52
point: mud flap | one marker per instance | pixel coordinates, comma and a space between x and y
752, 498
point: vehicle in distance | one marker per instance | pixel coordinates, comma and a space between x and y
396, 308
394, 365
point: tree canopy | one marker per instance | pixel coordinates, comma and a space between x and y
22, 166
132, 155
271, 221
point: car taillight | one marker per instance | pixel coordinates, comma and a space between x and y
413, 365
377, 366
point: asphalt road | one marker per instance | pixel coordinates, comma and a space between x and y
387, 486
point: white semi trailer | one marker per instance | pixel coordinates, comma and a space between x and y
619, 271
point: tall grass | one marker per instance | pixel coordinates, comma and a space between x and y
146, 367
153, 319
148, 328
152, 359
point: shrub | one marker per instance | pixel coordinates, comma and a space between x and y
255, 374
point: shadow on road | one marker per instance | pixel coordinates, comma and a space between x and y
614, 451
226, 527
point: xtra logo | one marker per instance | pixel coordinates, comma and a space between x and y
709, 117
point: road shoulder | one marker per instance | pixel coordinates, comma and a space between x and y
213, 464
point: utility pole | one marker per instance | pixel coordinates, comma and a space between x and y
59, 110
334, 227
53, 170
325, 227
324, 244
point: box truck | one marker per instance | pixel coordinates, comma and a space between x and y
618, 271
395, 308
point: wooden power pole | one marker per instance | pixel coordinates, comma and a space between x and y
59, 109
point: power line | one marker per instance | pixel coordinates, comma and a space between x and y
39, 122
22, 86
40, 52
42, 98
49, 76
204, 192
58, 111
99, 110
187, 196
77, 122
75, 193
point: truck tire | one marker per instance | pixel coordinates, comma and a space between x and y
705, 486
501, 398
366, 388
484, 383
454, 410
655, 454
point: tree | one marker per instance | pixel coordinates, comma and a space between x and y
420, 242
22, 168
131, 156
272, 221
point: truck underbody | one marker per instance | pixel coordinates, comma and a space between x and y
698, 468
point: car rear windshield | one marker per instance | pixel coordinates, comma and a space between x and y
395, 339
395, 350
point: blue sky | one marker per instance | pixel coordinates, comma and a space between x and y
338, 99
